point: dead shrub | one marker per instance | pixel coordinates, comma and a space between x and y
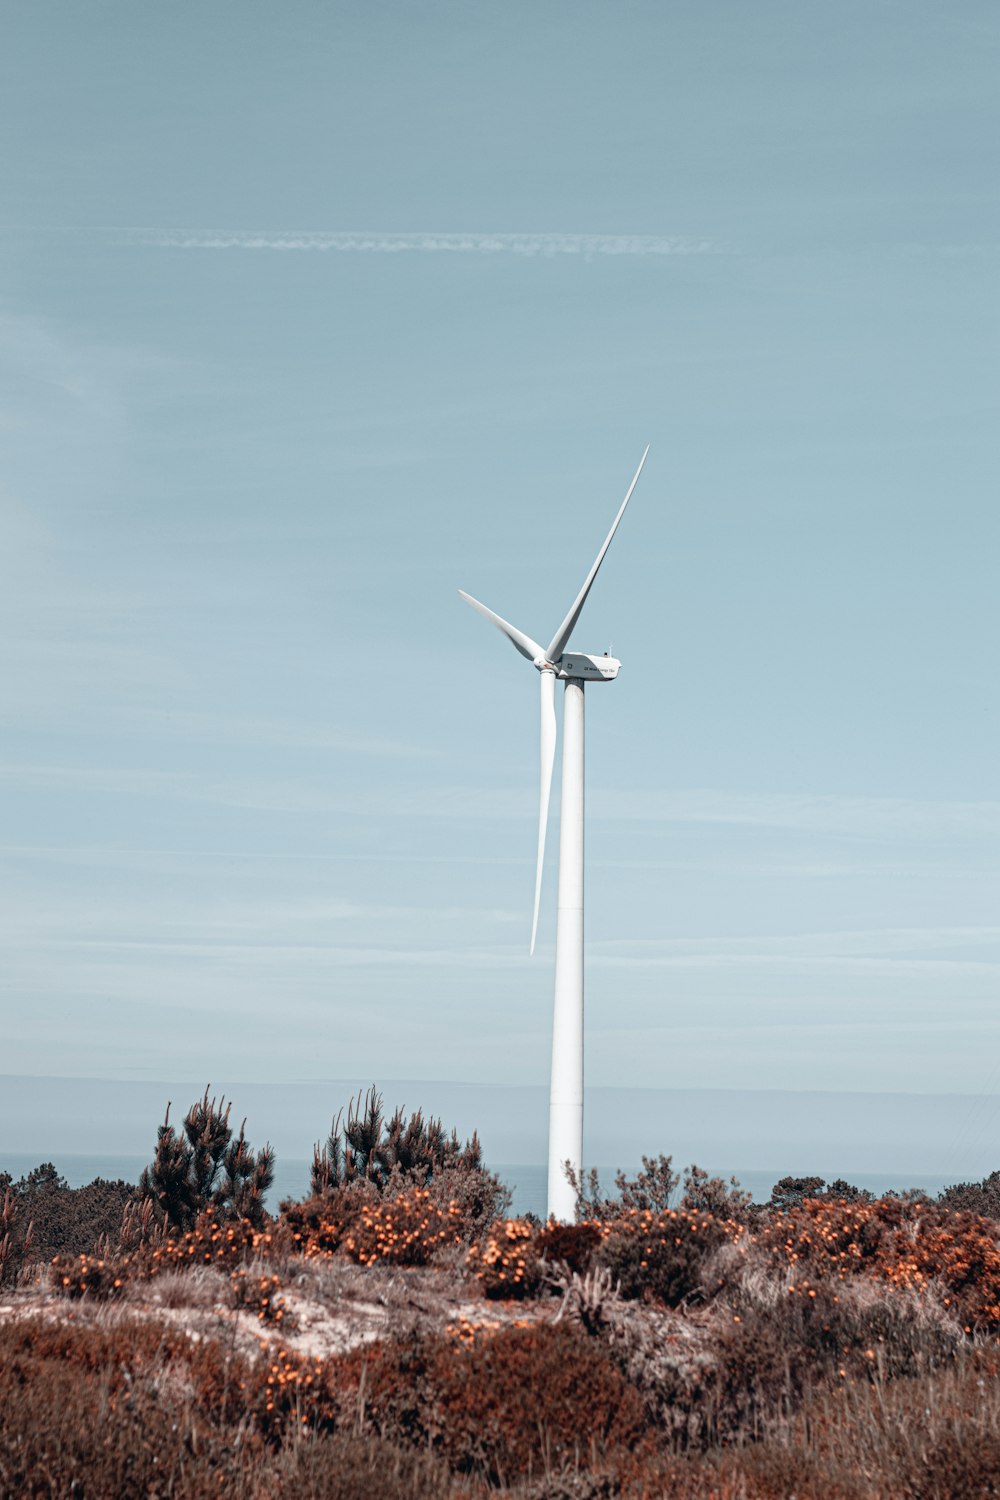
201, 1286
591, 1301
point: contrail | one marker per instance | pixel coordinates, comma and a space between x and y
355, 242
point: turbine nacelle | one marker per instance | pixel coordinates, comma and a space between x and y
582, 667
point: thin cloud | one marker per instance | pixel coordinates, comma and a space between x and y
354, 242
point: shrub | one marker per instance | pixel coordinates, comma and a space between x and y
319, 1224
526, 1399
210, 1242
88, 1276
511, 1403
662, 1255
982, 1198
572, 1245
260, 1294
357, 1222
86, 1412
397, 1155
713, 1195
506, 1262
405, 1231
791, 1192
909, 1243
650, 1191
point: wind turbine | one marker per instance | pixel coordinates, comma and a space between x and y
576, 669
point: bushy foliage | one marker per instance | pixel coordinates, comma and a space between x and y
83, 1415
571, 1245
212, 1241
405, 1231
982, 1198
654, 1255
661, 1256
395, 1155
260, 1294
789, 1192
908, 1243
61, 1219
318, 1225
509, 1403
506, 1261
203, 1166
704, 1194
651, 1190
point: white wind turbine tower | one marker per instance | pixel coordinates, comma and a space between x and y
575, 669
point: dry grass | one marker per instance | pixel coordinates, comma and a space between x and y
822, 1354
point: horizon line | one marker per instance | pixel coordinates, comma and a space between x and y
530, 244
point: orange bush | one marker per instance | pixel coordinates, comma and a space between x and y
649, 1252
405, 1231
661, 1255
260, 1295
208, 1243
506, 1262
572, 1245
908, 1244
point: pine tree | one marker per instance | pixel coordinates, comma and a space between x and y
366, 1148
368, 1155
202, 1166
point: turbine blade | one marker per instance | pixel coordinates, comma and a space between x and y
547, 758
560, 640
527, 647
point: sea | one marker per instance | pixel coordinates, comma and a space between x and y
527, 1180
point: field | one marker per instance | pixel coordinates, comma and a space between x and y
395, 1335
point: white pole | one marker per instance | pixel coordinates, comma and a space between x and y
566, 1090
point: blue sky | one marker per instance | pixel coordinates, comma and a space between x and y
311, 316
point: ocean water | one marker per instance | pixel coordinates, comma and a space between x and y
527, 1181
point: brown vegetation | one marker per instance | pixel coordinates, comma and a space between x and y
385, 1337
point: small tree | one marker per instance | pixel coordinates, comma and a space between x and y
713, 1195
846, 1192
790, 1192
366, 1148
367, 1154
649, 1190
202, 1166
975, 1197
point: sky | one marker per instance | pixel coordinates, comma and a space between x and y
311, 316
